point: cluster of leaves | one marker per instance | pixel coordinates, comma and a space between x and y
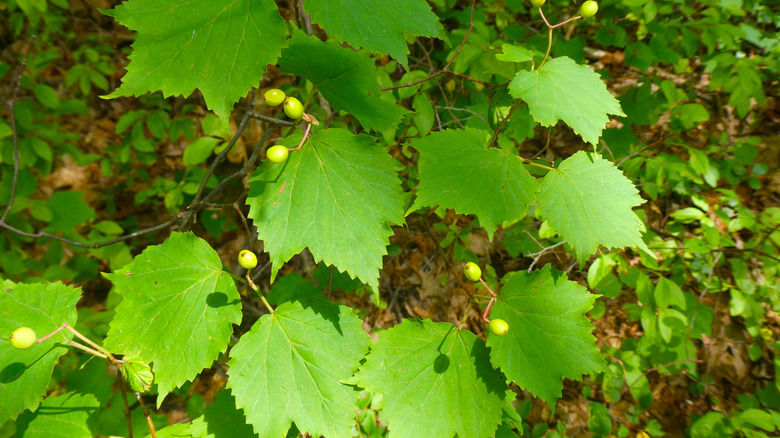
308, 366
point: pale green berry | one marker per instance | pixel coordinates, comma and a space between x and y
23, 338
277, 154
247, 259
293, 108
589, 9
274, 97
472, 271
498, 327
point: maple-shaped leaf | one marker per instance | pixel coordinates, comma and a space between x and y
177, 310
25, 374
588, 201
549, 336
436, 381
564, 90
336, 196
345, 78
288, 367
459, 171
377, 25
221, 48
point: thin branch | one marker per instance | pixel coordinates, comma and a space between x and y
12, 93
169, 223
446, 68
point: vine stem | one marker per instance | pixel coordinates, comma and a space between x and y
96, 349
257, 290
493, 296
14, 90
550, 28
101, 352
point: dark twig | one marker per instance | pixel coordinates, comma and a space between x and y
12, 92
446, 68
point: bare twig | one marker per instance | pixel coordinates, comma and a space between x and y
446, 68
12, 92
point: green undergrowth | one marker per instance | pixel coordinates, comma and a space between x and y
606, 181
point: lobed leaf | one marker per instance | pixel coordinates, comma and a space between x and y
345, 78
25, 374
459, 171
436, 381
222, 48
564, 90
377, 25
549, 335
588, 201
336, 196
289, 367
177, 310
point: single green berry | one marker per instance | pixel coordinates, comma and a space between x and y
766, 333
293, 108
277, 154
472, 271
498, 327
589, 9
247, 259
274, 97
537, 3
23, 338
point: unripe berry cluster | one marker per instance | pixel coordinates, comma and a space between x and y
294, 110
292, 106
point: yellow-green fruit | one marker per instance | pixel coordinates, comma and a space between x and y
498, 327
23, 338
247, 259
293, 108
589, 9
472, 271
537, 3
274, 97
277, 154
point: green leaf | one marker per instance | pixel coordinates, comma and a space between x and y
199, 150
289, 367
424, 113
220, 48
512, 53
668, 293
549, 335
687, 215
221, 419
69, 211
137, 373
377, 25
758, 418
46, 96
345, 78
336, 196
436, 381
564, 90
25, 374
69, 415
588, 201
459, 171
177, 310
